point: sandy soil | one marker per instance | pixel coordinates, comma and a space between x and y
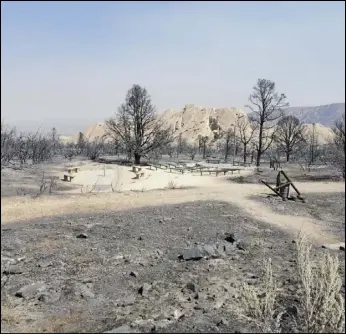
132, 193
134, 236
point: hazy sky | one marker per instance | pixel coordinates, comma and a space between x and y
64, 61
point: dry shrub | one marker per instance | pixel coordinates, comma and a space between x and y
321, 305
117, 182
323, 309
259, 303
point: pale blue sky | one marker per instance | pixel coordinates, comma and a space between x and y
74, 61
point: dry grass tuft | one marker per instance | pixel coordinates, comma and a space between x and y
259, 303
321, 305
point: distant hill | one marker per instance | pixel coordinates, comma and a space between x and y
325, 115
193, 121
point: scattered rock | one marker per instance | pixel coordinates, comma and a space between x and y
127, 301
82, 236
44, 263
159, 252
87, 294
242, 245
230, 237
133, 273
222, 322
146, 326
193, 287
13, 270
121, 329
338, 246
49, 297
144, 289
178, 314
31, 290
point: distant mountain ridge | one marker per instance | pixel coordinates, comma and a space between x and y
325, 114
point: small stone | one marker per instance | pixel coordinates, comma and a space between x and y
82, 236
144, 289
230, 237
140, 238
159, 252
31, 290
87, 294
338, 246
127, 301
242, 245
133, 273
44, 264
178, 314
251, 281
222, 322
13, 270
192, 286
121, 329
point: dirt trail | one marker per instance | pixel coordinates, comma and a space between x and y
19, 209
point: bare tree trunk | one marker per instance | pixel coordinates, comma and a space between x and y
244, 153
288, 154
137, 159
259, 150
204, 149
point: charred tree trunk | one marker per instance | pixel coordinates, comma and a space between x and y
137, 159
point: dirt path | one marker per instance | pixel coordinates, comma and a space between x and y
17, 208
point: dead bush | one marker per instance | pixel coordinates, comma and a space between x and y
321, 307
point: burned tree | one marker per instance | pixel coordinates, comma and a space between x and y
137, 125
246, 134
228, 137
8, 144
289, 135
266, 106
203, 143
81, 143
339, 148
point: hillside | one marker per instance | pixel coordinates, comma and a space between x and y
193, 121
325, 115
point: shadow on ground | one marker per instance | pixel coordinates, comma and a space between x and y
100, 271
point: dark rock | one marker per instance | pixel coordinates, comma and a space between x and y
144, 289
292, 310
230, 237
195, 253
133, 273
82, 236
193, 287
31, 290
